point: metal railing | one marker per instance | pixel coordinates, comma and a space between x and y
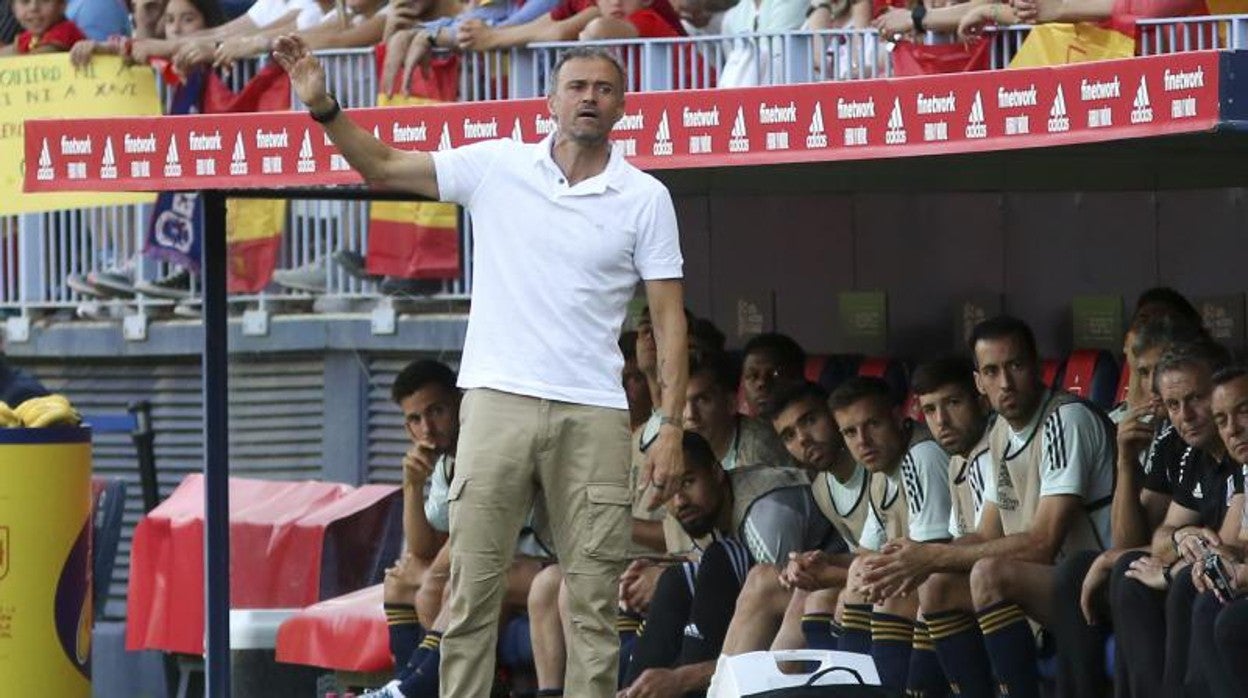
39, 252
1161, 36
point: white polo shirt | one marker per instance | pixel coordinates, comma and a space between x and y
554, 267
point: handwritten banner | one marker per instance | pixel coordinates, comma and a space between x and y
47, 86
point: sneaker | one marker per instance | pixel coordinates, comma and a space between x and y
80, 283
398, 286
310, 277
192, 309
114, 281
390, 690
175, 286
354, 264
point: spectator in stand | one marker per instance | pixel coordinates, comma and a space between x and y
703, 17
1046, 11
16, 385
411, 34
275, 15
362, 25
629, 19
773, 362
147, 17
564, 23
45, 28
101, 19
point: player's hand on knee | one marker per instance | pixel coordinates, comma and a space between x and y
1096, 576
654, 683
1150, 572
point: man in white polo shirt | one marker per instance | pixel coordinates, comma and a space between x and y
564, 230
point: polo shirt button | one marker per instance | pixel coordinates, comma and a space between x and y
562, 181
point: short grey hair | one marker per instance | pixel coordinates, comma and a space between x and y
586, 53
1202, 354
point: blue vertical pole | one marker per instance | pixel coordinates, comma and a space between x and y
216, 450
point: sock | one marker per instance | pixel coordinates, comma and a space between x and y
1012, 649
960, 647
627, 624
817, 628
925, 678
891, 637
422, 682
428, 647
405, 631
856, 628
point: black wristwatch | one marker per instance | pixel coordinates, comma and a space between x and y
917, 15
329, 114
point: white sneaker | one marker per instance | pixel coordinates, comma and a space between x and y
311, 277
390, 690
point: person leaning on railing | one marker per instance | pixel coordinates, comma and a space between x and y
415, 29
361, 24
965, 19
149, 19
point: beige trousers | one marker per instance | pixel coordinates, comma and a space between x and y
513, 449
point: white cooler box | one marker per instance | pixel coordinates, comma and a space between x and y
758, 672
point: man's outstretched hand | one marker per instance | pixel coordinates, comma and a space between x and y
307, 75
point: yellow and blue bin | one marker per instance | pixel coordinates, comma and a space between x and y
45, 562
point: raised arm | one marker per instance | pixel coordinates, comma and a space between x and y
380, 165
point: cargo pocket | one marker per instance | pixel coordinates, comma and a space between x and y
607, 531
454, 493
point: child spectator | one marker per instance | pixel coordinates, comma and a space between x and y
626, 19
44, 27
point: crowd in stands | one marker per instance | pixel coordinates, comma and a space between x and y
958, 537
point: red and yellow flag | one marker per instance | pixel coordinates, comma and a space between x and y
1059, 44
253, 227
417, 239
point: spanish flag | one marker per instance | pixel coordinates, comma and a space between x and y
910, 58
253, 227
1059, 44
417, 239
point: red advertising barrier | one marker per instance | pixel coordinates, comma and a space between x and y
282, 535
939, 114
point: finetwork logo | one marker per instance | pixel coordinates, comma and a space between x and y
896, 133
173, 165
1058, 120
662, 138
1142, 107
975, 127
45, 173
108, 168
817, 137
238, 161
306, 164
739, 140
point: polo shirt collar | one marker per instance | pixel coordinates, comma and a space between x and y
598, 184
